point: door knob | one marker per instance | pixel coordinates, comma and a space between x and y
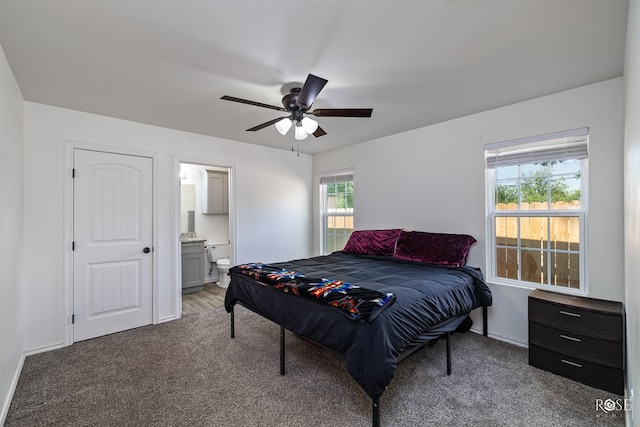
146, 250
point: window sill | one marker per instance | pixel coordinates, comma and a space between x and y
532, 287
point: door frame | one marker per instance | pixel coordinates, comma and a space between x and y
69, 147
177, 159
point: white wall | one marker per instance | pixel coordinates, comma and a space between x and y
272, 202
432, 179
632, 204
11, 282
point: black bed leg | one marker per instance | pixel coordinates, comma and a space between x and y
448, 340
281, 350
233, 331
485, 322
376, 412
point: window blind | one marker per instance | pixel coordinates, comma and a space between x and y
336, 179
540, 149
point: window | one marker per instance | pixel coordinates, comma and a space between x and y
336, 193
536, 211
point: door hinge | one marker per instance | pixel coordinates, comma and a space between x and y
73, 319
73, 173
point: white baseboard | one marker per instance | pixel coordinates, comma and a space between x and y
44, 349
12, 389
167, 319
502, 338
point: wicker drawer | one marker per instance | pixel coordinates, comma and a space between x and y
605, 324
582, 346
578, 338
585, 372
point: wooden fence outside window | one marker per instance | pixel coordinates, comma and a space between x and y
550, 245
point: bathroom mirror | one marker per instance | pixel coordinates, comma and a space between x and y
187, 208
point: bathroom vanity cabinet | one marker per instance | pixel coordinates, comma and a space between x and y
215, 192
193, 259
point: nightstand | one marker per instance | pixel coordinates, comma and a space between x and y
578, 338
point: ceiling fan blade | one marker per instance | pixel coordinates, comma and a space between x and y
310, 90
342, 112
257, 104
265, 124
319, 132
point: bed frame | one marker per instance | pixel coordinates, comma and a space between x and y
411, 349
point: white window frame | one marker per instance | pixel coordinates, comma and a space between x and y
581, 213
329, 178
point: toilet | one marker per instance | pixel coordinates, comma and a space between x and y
218, 257
223, 266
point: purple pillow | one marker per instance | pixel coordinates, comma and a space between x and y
434, 248
372, 242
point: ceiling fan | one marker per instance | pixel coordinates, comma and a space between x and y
297, 103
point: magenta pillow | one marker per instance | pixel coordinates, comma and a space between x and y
372, 242
434, 248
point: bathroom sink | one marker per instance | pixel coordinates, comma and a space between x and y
192, 239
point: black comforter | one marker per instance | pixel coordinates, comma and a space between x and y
426, 296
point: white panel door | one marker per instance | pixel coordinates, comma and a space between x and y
113, 230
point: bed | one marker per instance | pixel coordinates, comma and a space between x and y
410, 288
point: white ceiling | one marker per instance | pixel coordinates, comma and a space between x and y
415, 62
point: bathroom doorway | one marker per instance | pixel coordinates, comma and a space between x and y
206, 233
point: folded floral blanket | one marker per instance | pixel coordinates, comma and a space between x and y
356, 301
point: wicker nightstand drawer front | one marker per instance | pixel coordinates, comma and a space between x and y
574, 319
582, 346
595, 375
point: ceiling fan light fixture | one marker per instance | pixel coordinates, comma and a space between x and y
297, 104
309, 125
283, 125
300, 132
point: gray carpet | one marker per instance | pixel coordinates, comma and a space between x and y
189, 372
